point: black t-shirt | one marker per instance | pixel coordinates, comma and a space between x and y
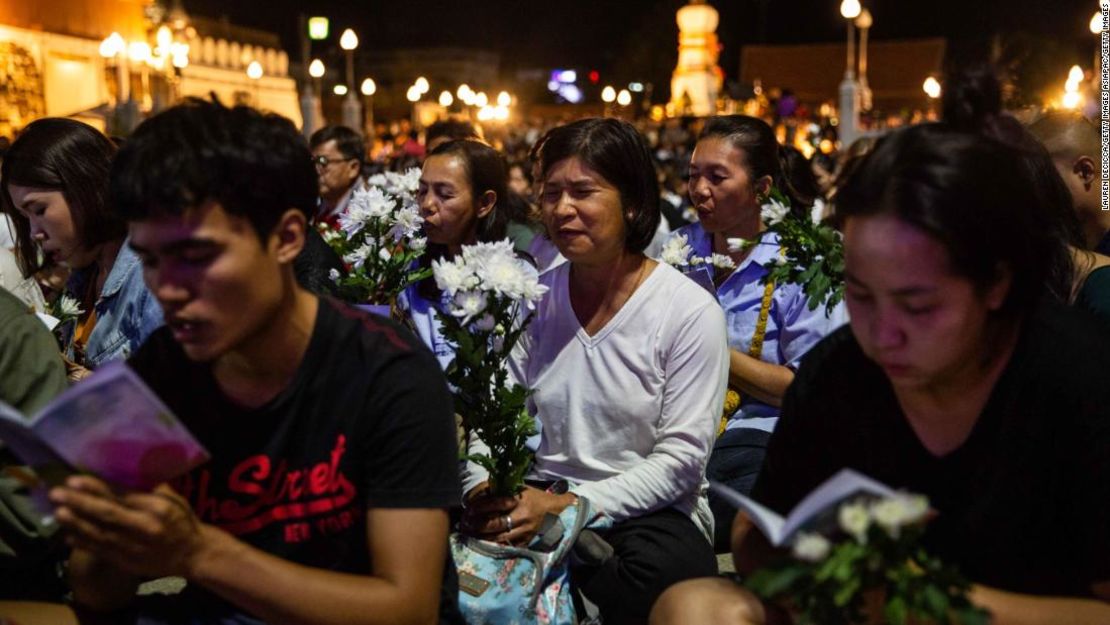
367, 422
1024, 503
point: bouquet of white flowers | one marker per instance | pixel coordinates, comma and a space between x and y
489, 290
875, 553
813, 253
379, 238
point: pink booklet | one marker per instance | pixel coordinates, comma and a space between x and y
110, 425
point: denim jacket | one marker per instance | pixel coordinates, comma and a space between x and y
126, 312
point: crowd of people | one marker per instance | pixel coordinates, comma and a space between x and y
966, 362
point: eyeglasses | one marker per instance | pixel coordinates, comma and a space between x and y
322, 161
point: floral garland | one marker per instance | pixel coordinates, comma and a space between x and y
813, 257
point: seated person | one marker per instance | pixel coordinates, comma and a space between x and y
54, 185
959, 378
462, 198
31, 374
333, 457
735, 166
627, 359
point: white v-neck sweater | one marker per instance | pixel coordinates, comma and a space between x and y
629, 414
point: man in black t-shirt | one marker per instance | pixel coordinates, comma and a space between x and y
332, 441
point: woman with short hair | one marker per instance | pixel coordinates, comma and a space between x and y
627, 359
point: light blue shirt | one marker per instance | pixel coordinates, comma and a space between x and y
422, 313
792, 329
126, 312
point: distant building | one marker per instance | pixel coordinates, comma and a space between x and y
52, 53
896, 70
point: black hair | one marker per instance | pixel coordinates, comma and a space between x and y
347, 141
803, 183
618, 153
453, 129
970, 193
524, 168
762, 154
68, 156
255, 165
486, 171
973, 103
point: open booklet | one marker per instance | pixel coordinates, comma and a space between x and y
110, 425
846, 484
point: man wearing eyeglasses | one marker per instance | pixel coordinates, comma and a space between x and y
338, 153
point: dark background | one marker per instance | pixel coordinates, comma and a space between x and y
637, 39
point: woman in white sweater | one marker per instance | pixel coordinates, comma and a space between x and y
628, 360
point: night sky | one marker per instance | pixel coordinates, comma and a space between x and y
636, 39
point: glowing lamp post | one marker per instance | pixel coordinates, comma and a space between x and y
352, 109
608, 96
254, 72
849, 89
863, 23
368, 89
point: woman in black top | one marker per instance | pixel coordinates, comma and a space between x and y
957, 378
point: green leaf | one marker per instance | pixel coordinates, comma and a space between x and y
895, 611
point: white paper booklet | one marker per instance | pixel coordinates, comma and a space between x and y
846, 484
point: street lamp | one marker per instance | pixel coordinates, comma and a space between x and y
863, 23
849, 90
608, 94
422, 85
352, 110
368, 89
931, 88
481, 99
624, 98
446, 99
254, 72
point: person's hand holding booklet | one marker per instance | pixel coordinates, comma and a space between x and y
111, 425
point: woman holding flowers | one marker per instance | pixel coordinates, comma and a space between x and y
960, 378
737, 185
627, 359
463, 188
54, 185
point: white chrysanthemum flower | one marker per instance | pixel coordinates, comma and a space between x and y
737, 244
697, 260
418, 244
894, 513
406, 222
810, 547
676, 252
69, 307
334, 275
384, 254
773, 212
468, 304
377, 180
410, 180
451, 276
854, 519
720, 261
778, 261
502, 275
356, 258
